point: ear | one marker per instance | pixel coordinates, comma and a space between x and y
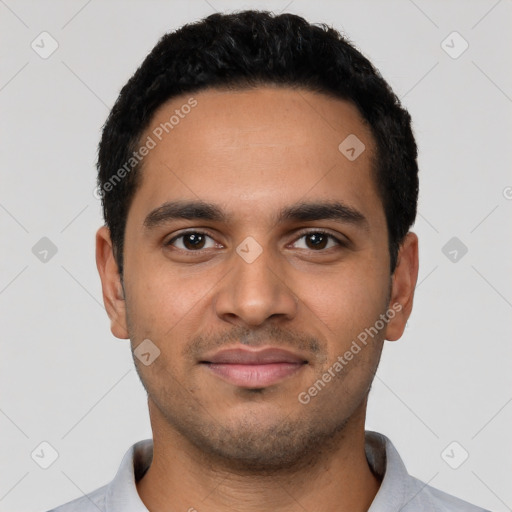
403, 286
113, 295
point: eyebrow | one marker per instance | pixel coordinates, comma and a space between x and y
302, 211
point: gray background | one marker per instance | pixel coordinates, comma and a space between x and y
67, 381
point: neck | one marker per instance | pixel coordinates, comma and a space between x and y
181, 478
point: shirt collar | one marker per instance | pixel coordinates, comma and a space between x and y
122, 492
385, 461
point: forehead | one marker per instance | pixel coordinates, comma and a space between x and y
268, 145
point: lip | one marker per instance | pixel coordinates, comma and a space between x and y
255, 357
254, 368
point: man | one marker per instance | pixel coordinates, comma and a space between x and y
259, 180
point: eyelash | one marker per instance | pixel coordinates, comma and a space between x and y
339, 242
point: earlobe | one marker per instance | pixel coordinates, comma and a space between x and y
113, 293
403, 286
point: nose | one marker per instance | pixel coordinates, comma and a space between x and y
255, 291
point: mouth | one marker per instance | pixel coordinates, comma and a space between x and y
254, 369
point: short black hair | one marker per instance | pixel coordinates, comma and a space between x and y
247, 49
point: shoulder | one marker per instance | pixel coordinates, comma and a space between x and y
401, 491
425, 497
91, 502
121, 492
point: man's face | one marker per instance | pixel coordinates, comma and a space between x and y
250, 278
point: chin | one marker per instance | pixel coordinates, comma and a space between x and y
263, 444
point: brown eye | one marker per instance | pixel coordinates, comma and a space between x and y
318, 240
191, 241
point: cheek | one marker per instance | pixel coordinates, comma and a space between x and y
347, 301
162, 303
347, 307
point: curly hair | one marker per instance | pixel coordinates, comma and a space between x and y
247, 49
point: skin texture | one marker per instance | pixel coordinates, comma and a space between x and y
218, 446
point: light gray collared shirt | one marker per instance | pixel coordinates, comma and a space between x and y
398, 491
